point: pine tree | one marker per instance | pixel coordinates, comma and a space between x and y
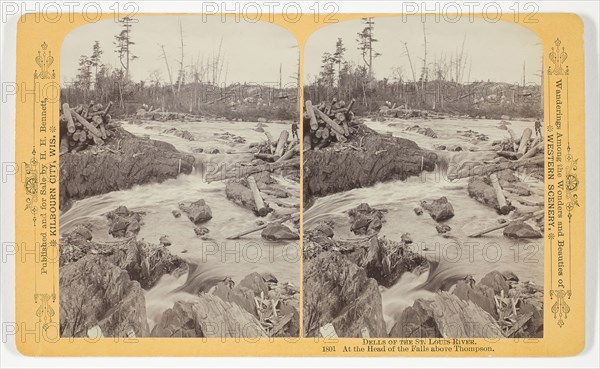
338, 59
123, 45
365, 44
95, 61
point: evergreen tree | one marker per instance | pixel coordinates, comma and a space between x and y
123, 45
365, 44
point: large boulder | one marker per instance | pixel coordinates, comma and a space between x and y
496, 281
520, 229
416, 321
278, 232
240, 193
480, 295
210, 317
447, 316
197, 212
124, 223
96, 292
481, 189
365, 219
440, 209
337, 291
179, 321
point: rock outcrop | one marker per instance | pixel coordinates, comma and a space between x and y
498, 306
208, 317
101, 284
96, 292
124, 161
374, 158
445, 316
337, 291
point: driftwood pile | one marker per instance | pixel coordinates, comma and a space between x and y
519, 148
83, 125
327, 122
277, 151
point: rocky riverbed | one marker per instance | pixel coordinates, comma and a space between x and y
157, 249
452, 219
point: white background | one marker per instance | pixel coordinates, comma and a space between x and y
589, 358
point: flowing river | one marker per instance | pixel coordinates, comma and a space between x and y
217, 257
458, 255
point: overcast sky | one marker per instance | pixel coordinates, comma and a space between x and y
254, 51
497, 50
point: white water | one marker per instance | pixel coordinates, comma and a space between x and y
458, 255
216, 257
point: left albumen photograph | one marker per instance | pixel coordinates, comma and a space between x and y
179, 179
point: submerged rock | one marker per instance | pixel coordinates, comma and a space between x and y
277, 232
442, 228
164, 240
520, 229
201, 231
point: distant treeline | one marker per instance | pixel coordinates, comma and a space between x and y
232, 102
490, 99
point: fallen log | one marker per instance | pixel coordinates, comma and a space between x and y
350, 105
314, 124
515, 139
283, 137
261, 209
502, 205
261, 227
70, 122
289, 154
532, 151
524, 141
266, 157
331, 123
89, 126
270, 141
485, 169
253, 169
500, 226
509, 155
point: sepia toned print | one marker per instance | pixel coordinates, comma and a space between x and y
342, 185
179, 185
423, 180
